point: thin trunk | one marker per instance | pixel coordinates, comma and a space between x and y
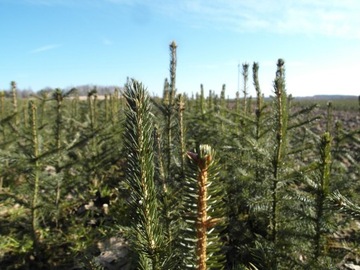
245, 74
34, 203
181, 108
323, 192
281, 126
14, 102
203, 222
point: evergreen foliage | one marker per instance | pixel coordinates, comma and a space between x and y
203, 213
144, 204
280, 193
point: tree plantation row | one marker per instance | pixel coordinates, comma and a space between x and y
132, 181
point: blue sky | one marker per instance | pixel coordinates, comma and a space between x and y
64, 43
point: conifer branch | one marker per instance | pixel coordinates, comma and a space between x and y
14, 102
181, 109
322, 192
36, 188
280, 147
204, 212
245, 74
140, 175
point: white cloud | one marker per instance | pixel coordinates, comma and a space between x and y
325, 78
324, 17
46, 48
311, 17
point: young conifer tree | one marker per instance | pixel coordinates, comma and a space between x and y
59, 96
223, 100
170, 110
35, 175
203, 212
313, 220
259, 100
168, 125
181, 109
281, 121
14, 101
202, 99
245, 74
138, 143
322, 195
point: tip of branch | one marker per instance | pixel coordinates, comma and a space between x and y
173, 44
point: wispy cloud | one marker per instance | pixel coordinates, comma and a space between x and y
321, 17
328, 18
46, 48
309, 17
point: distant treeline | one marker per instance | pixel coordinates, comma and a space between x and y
329, 97
82, 90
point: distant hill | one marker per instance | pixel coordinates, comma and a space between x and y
328, 97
